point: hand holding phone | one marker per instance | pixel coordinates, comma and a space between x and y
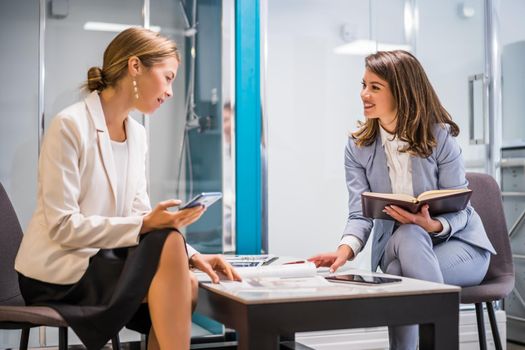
205, 199
160, 217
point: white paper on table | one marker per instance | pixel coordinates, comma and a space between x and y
306, 269
276, 284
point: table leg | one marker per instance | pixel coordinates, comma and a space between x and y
287, 337
439, 336
443, 332
255, 340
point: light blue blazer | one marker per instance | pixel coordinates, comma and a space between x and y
366, 170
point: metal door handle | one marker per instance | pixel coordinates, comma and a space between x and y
472, 138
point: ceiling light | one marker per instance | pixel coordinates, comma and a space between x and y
365, 47
113, 27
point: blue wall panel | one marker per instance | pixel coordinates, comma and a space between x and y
248, 127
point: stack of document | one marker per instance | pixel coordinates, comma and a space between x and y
274, 285
250, 260
306, 269
250, 266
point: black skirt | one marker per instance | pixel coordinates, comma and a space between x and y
108, 296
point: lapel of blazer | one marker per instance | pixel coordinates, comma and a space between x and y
381, 183
418, 175
380, 180
104, 144
134, 155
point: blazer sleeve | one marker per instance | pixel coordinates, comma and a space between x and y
356, 182
451, 175
59, 175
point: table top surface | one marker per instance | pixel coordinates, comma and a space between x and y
267, 290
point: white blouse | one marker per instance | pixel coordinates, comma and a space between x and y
399, 164
120, 156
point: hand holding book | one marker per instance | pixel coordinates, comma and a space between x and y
439, 201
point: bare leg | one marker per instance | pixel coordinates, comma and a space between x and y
194, 291
153, 343
169, 296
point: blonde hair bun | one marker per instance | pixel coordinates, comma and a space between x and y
148, 46
95, 79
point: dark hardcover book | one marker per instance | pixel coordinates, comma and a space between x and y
439, 201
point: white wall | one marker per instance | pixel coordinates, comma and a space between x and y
313, 103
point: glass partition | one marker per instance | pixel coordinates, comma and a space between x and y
167, 124
191, 148
202, 138
312, 92
76, 35
185, 134
512, 50
19, 27
451, 46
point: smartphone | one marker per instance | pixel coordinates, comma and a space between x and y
351, 278
205, 198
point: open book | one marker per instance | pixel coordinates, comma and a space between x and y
439, 201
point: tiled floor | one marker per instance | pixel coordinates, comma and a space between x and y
510, 346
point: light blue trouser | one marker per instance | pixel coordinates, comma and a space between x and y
411, 253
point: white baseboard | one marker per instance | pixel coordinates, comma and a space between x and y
377, 338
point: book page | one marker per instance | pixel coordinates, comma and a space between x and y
439, 193
398, 196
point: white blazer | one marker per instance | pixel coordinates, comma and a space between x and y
76, 205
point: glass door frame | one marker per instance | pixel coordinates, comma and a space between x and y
491, 83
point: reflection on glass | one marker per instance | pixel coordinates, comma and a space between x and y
19, 101
203, 120
228, 173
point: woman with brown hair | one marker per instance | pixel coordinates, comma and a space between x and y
407, 145
95, 250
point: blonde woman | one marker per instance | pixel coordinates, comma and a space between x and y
94, 242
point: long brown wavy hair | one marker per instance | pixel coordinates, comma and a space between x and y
418, 106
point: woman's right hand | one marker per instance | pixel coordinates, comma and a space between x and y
333, 260
160, 218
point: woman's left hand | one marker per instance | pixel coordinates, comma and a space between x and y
213, 263
422, 218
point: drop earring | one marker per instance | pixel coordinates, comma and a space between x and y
135, 89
